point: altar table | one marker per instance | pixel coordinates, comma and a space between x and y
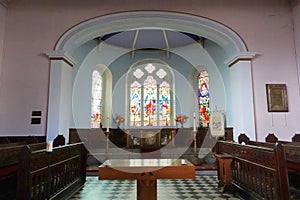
146, 172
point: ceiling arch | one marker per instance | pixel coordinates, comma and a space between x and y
88, 30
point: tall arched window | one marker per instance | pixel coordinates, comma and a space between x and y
164, 104
96, 104
203, 97
150, 95
135, 104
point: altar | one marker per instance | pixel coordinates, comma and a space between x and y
146, 172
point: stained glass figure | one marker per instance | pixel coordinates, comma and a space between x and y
164, 104
203, 98
135, 104
96, 104
150, 102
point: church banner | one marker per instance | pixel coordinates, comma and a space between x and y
217, 122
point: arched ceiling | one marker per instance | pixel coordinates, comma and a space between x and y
131, 28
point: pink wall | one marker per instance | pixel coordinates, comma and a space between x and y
2, 30
33, 27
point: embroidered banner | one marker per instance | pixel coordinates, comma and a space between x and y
217, 121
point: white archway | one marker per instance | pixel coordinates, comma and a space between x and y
239, 59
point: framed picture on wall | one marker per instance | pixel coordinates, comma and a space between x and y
277, 98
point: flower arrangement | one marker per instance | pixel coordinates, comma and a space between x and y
181, 119
119, 120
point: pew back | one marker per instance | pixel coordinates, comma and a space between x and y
292, 156
9, 165
257, 170
51, 175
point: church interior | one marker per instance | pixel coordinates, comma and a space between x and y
149, 99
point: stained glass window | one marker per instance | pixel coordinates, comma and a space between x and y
164, 104
150, 96
150, 102
135, 104
203, 97
96, 104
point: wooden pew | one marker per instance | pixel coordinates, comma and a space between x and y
292, 156
244, 139
9, 165
271, 138
296, 138
51, 175
26, 139
256, 171
291, 151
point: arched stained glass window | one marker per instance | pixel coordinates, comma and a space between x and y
150, 102
96, 104
135, 104
203, 97
164, 104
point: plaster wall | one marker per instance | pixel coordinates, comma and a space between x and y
2, 32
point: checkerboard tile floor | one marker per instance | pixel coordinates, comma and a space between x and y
204, 187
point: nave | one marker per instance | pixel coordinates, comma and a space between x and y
203, 187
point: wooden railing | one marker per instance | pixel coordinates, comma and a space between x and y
51, 175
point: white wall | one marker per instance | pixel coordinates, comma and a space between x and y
34, 27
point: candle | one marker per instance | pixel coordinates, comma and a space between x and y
107, 128
49, 146
194, 121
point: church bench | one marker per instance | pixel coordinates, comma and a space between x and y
22, 139
258, 171
292, 156
55, 174
9, 156
291, 148
244, 139
291, 151
271, 138
9, 165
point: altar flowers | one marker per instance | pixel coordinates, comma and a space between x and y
119, 120
181, 119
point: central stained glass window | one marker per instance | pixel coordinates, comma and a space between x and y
150, 97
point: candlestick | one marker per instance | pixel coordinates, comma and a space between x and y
107, 128
194, 122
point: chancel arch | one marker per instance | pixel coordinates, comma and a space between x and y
234, 54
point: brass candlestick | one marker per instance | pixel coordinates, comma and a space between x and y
196, 159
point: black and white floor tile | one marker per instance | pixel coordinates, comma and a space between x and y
204, 187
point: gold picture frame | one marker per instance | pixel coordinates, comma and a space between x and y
277, 98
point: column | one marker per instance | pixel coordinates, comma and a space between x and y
242, 100
60, 95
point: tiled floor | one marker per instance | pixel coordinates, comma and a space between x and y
204, 187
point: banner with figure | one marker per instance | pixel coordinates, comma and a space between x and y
217, 123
